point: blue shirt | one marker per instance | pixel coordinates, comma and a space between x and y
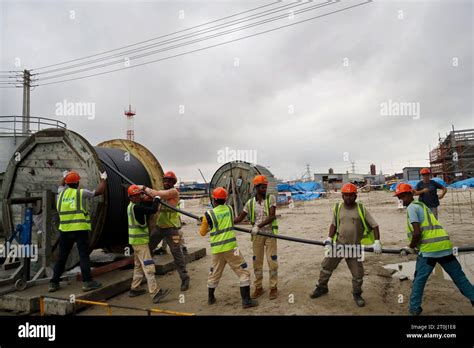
431, 198
416, 213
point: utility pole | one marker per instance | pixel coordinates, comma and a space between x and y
353, 167
26, 101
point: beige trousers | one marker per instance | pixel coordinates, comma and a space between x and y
235, 260
144, 266
261, 246
329, 264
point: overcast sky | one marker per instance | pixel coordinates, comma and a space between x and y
313, 93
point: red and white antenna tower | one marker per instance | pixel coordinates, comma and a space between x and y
130, 117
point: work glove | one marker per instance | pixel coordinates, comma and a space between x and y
103, 176
327, 246
255, 229
157, 199
377, 247
407, 250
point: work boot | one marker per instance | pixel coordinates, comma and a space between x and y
247, 302
160, 295
136, 292
273, 293
52, 287
185, 284
91, 285
210, 297
318, 292
359, 300
257, 292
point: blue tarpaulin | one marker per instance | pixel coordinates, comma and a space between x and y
460, 184
301, 191
414, 182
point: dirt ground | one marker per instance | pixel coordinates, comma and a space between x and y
299, 266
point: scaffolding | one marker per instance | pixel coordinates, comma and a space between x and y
453, 158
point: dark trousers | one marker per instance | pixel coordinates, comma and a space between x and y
172, 237
66, 242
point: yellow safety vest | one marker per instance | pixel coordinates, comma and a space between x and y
222, 234
72, 214
251, 215
137, 233
433, 236
168, 218
368, 237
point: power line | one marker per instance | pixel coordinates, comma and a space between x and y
156, 38
211, 46
118, 61
197, 33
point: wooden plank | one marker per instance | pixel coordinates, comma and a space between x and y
109, 267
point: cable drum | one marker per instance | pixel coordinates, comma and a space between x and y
115, 230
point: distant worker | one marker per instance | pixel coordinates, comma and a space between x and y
261, 212
352, 225
426, 235
139, 238
168, 225
224, 249
74, 227
427, 190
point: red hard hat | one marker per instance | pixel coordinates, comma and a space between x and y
170, 175
260, 179
402, 188
349, 188
133, 190
425, 171
219, 193
72, 177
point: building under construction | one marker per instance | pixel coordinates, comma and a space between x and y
453, 158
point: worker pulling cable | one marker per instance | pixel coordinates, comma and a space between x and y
271, 235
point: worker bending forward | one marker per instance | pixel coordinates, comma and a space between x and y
352, 225
426, 234
224, 249
261, 212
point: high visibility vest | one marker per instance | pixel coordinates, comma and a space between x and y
222, 234
251, 214
168, 218
368, 237
137, 233
433, 236
73, 216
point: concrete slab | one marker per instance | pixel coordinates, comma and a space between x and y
59, 302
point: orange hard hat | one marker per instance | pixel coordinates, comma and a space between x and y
402, 188
260, 179
425, 171
219, 193
349, 188
72, 177
133, 190
170, 175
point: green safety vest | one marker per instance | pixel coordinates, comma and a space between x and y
266, 210
73, 216
168, 218
433, 236
137, 233
368, 237
222, 234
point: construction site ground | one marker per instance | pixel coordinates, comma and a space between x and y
299, 266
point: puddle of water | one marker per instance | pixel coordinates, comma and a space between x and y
407, 269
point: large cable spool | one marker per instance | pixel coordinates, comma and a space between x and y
236, 177
41, 159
